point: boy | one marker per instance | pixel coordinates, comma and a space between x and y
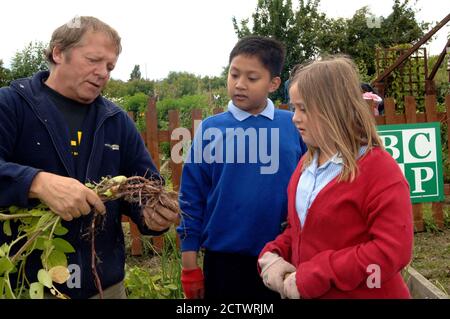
233, 188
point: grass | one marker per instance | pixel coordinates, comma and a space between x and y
154, 275
432, 251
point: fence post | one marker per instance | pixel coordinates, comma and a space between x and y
174, 122
389, 110
196, 115
152, 139
411, 117
431, 116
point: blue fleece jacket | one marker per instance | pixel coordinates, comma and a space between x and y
34, 137
233, 187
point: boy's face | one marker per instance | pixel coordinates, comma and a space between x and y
249, 83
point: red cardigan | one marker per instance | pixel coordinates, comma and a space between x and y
350, 226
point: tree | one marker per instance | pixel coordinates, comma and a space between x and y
307, 33
178, 84
297, 28
137, 104
360, 39
5, 76
401, 26
115, 89
136, 73
29, 61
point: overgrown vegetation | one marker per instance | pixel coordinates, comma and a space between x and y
36, 229
432, 251
155, 275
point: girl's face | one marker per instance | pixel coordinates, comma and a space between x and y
301, 118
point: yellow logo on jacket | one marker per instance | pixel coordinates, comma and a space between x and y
75, 144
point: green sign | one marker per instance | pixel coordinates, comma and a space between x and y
418, 151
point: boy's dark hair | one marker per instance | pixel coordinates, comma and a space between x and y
366, 87
270, 52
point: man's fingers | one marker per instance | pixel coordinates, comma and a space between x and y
64, 215
159, 220
153, 225
84, 208
155, 221
95, 202
75, 213
167, 214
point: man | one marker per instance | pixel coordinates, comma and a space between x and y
57, 133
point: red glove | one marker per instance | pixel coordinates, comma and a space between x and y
193, 283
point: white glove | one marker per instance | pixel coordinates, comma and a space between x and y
273, 270
290, 289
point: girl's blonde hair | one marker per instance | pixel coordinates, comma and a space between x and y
340, 118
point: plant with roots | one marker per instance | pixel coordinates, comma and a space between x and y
38, 228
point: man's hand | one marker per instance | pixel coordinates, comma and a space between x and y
65, 196
273, 270
290, 289
159, 218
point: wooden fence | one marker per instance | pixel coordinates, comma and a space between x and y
153, 137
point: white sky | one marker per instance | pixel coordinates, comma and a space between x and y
170, 35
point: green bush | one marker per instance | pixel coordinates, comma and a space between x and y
184, 105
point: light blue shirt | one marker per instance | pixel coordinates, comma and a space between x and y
240, 115
314, 179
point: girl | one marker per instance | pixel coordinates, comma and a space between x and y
350, 229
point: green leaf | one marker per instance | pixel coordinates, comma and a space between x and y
63, 245
2, 286
44, 278
108, 193
4, 249
56, 258
40, 243
37, 212
60, 230
5, 289
7, 228
171, 287
119, 179
48, 243
13, 209
5, 265
36, 290
44, 220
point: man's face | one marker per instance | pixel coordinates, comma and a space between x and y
82, 72
249, 83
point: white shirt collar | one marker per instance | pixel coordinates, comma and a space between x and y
240, 115
335, 159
